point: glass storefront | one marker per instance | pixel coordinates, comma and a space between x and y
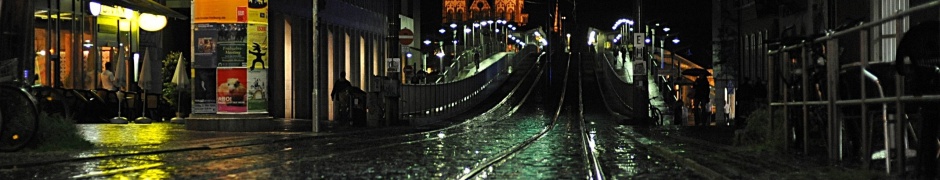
69, 52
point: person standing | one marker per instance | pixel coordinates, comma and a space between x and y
702, 91
339, 95
107, 77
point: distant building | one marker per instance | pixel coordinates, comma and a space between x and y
510, 10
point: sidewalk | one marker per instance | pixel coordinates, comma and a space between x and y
473, 69
112, 140
709, 151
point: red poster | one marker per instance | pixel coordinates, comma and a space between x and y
232, 89
242, 14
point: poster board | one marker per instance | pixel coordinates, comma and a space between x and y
220, 11
204, 95
231, 90
257, 90
257, 47
205, 43
232, 50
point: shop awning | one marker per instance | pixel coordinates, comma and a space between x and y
145, 6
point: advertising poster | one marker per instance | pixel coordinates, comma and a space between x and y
231, 50
258, 90
204, 92
205, 41
257, 46
258, 11
231, 89
218, 11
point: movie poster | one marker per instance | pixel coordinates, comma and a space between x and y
232, 90
204, 92
257, 46
258, 11
231, 49
258, 90
220, 11
205, 41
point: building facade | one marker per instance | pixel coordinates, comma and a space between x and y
460, 11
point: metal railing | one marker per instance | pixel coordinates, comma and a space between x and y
444, 100
840, 104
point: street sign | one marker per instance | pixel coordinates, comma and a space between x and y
405, 36
393, 65
639, 40
639, 67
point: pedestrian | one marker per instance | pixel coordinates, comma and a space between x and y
339, 95
702, 90
107, 77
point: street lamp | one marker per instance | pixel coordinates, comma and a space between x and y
453, 26
427, 42
442, 30
440, 60
465, 32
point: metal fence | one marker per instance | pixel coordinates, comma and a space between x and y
444, 100
844, 101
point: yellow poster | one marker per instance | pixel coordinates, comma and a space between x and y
257, 46
258, 11
220, 11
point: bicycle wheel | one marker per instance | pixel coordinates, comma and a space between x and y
656, 116
20, 118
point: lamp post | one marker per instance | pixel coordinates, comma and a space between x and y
95, 9
427, 44
453, 28
440, 60
465, 32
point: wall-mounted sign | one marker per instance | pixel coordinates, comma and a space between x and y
393, 65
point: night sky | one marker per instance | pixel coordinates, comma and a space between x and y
690, 18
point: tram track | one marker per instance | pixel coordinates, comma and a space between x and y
489, 163
587, 141
344, 146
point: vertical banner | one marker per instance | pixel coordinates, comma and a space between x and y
231, 89
205, 41
257, 90
231, 45
219, 11
258, 11
204, 92
257, 46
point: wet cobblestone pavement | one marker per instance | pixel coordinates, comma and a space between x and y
456, 151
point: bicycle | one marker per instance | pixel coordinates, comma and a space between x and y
656, 116
19, 117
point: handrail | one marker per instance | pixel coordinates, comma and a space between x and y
619, 98
779, 94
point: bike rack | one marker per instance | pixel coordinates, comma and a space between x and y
833, 103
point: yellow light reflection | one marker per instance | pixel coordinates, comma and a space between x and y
129, 138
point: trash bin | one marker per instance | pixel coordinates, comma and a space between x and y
357, 109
